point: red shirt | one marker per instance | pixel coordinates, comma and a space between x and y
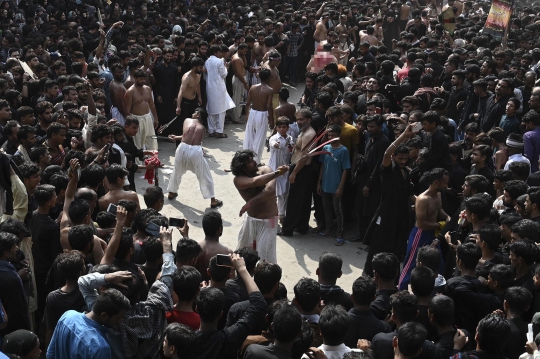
191, 319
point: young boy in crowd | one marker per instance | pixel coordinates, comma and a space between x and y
281, 145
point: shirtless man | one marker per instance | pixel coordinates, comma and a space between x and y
240, 80
300, 178
213, 229
320, 30
259, 50
429, 217
118, 91
404, 15
257, 186
140, 103
342, 27
274, 58
189, 96
369, 36
285, 108
189, 156
73, 207
260, 113
116, 177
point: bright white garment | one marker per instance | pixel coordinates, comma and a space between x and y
279, 157
254, 79
255, 136
144, 136
190, 158
115, 113
293, 131
219, 100
261, 231
216, 123
239, 95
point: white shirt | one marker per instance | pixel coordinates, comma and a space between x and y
334, 351
518, 157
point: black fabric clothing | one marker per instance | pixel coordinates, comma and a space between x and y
381, 305
188, 109
166, 86
150, 273
469, 106
299, 202
59, 302
388, 232
123, 265
465, 314
238, 286
13, 299
439, 152
256, 351
445, 343
456, 96
493, 112
230, 298
238, 309
517, 339
132, 153
437, 69
481, 304
224, 344
423, 319
383, 349
364, 325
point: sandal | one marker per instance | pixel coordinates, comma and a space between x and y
221, 135
211, 135
172, 195
217, 204
339, 242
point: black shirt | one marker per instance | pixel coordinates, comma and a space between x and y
336, 296
13, 299
238, 286
423, 319
59, 302
364, 325
517, 340
381, 305
224, 344
383, 348
445, 343
46, 242
237, 311
256, 351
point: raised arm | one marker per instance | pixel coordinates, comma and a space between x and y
387, 159
121, 215
244, 182
70, 191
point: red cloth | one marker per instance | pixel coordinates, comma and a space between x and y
150, 174
191, 319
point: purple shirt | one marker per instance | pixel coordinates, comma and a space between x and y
532, 147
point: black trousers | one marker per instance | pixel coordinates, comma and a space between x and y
299, 202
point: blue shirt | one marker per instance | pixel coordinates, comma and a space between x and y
333, 167
78, 337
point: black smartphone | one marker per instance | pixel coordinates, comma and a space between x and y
223, 260
454, 237
176, 222
112, 208
152, 229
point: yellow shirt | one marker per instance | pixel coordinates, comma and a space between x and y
349, 137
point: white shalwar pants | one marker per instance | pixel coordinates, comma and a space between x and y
255, 136
259, 234
238, 96
191, 158
216, 123
144, 136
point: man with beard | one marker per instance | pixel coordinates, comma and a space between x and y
166, 85
189, 96
387, 232
44, 112
118, 91
257, 186
301, 179
429, 212
140, 104
372, 86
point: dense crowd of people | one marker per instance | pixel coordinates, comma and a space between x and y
426, 140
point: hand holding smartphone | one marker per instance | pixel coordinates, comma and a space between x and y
223, 260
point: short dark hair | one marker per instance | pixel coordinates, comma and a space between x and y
519, 299
7, 241
515, 188
111, 302
78, 210
525, 249
114, 172
491, 234
436, 174
186, 283
469, 253
43, 193
442, 309
422, 281
187, 249
211, 223
79, 236
478, 183
152, 248
503, 275
411, 337
430, 257
250, 256
431, 117
287, 323
126, 243
404, 306
526, 228
478, 206
386, 265
152, 195
70, 264
307, 293
364, 290
330, 266
182, 337
210, 303
333, 323
266, 276
493, 332
218, 273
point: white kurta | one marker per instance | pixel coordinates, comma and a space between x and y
259, 234
279, 157
219, 100
255, 136
190, 158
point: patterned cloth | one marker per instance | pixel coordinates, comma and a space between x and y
296, 40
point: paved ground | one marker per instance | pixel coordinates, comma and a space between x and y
298, 255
